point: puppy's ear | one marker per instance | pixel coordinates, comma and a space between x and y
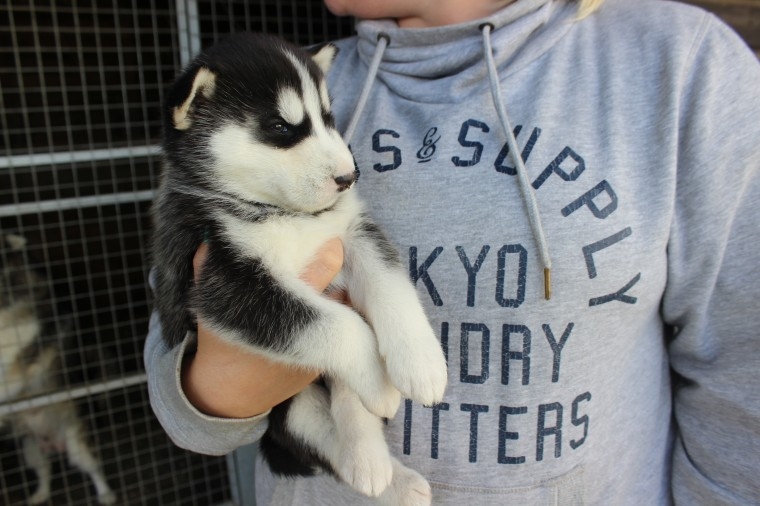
323, 56
16, 242
194, 84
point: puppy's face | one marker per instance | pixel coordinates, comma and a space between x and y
256, 122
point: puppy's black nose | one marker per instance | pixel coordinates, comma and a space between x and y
347, 181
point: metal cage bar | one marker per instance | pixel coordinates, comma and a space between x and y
81, 85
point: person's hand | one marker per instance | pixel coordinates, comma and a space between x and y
224, 380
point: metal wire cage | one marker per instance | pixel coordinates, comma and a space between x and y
81, 83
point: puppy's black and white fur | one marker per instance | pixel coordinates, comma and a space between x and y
31, 334
255, 165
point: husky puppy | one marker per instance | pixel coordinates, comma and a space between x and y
255, 165
30, 365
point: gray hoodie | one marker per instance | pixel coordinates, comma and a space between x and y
637, 381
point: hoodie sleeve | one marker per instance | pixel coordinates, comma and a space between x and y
712, 299
187, 427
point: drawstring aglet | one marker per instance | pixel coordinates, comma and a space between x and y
547, 283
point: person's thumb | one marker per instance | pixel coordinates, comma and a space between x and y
326, 264
198, 259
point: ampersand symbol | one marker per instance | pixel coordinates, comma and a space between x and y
425, 153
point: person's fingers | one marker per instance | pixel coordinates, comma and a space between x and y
326, 265
319, 273
198, 259
219, 362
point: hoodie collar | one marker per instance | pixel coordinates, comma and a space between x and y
453, 54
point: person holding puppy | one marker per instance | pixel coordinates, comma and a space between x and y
574, 187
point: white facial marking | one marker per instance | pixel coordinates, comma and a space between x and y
312, 101
299, 178
290, 106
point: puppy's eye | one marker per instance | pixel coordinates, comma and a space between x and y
280, 127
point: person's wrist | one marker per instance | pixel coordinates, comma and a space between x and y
214, 380
224, 380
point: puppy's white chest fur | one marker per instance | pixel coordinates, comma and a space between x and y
288, 243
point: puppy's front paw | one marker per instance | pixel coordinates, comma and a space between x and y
417, 367
360, 366
408, 488
384, 403
366, 465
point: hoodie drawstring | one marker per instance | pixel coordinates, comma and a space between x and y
528, 194
382, 42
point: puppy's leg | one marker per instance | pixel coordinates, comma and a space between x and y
81, 457
380, 289
36, 459
408, 488
251, 304
344, 346
177, 235
365, 461
345, 435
